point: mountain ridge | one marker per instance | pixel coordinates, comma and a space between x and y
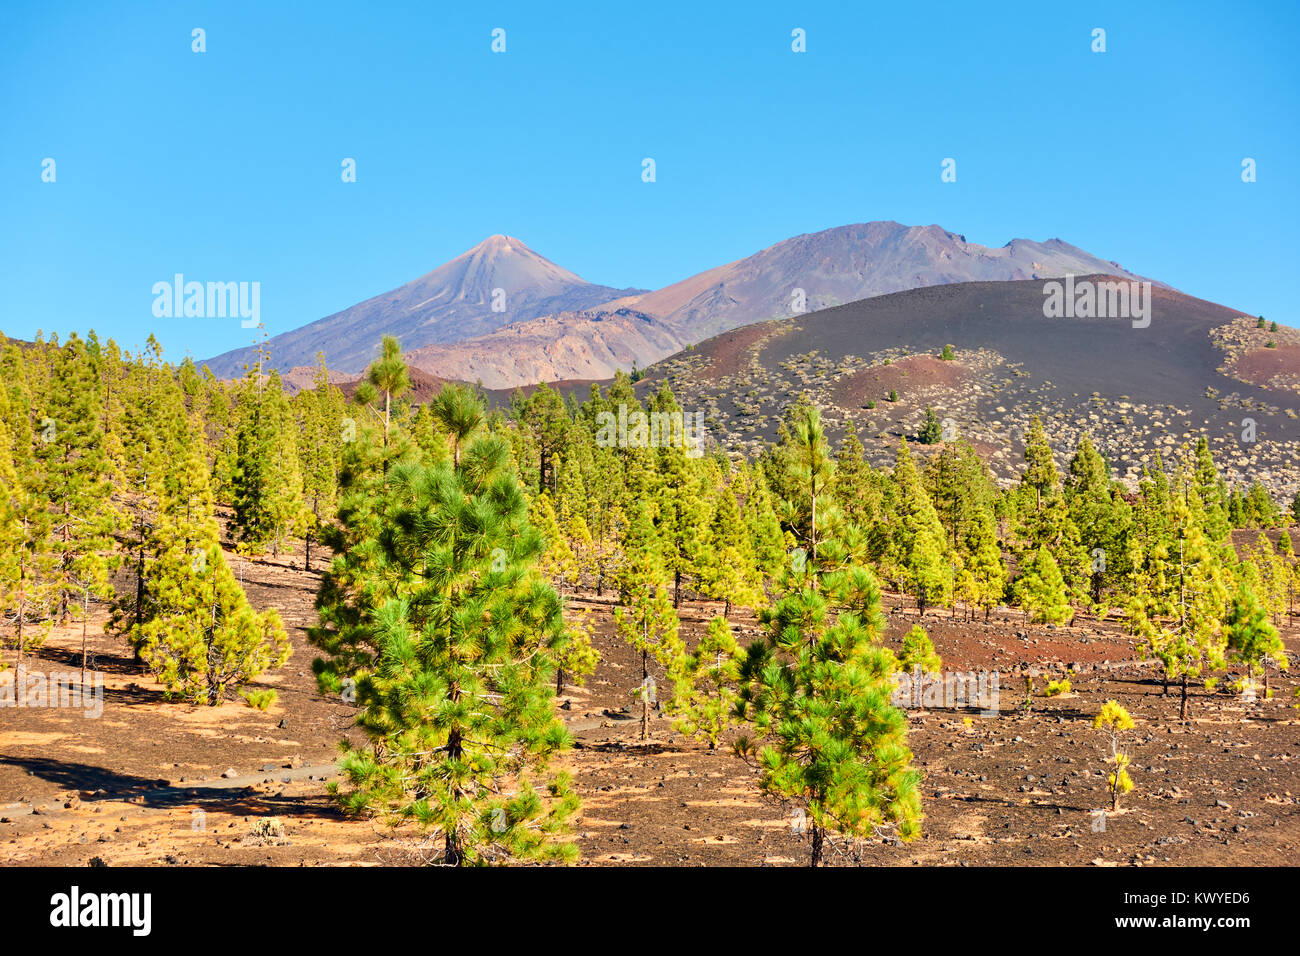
448, 326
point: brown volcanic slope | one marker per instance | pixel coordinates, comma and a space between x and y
451, 303
570, 345
1135, 391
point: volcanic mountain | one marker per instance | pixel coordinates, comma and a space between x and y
1197, 369
497, 282
813, 271
554, 325
847, 264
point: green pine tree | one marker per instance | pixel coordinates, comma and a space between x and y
1251, 640
817, 688
199, 635
1042, 592
706, 684
918, 652
451, 638
645, 618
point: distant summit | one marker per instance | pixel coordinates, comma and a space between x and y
456, 301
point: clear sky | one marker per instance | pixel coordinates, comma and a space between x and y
225, 165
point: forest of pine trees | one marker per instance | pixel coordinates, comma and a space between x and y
448, 533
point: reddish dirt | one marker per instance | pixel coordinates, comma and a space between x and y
907, 375
1261, 366
136, 785
729, 352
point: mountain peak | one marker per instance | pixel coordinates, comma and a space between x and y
500, 244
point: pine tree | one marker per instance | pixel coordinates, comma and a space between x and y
1042, 592
728, 566
762, 526
576, 658
557, 561
856, 488
451, 638
199, 635
917, 551
931, 432
1251, 640
1051, 528
27, 556
918, 652
1191, 643
1213, 494
1114, 720
706, 684
817, 688
645, 618
985, 565
1272, 576
320, 424
387, 375
930, 576
1040, 467
961, 488
266, 479
544, 419
1099, 518
77, 477
459, 414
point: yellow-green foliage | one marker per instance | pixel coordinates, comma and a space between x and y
578, 659
706, 684
918, 651
1114, 720
260, 699
1056, 687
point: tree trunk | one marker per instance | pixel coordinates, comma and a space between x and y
139, 593
818, 846
306, 556
454, 853
677, 589
1182, 711
645, 698
85, 613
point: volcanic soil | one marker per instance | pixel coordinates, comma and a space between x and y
155, 783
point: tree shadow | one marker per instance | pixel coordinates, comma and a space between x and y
80, 776
121, 664
649, 747
159, 794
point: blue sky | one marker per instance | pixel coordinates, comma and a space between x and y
225, 165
